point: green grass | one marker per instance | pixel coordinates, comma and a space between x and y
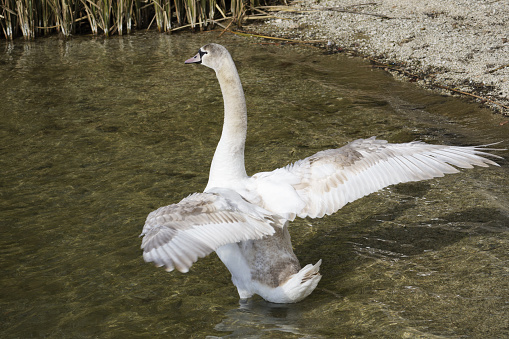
33, 18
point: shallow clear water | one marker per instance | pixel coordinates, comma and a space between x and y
96, 133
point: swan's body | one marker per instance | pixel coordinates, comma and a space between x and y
245, 219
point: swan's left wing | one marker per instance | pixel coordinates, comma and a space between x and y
177, 235
323, 183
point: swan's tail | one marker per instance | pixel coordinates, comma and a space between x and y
311, 272
298, 286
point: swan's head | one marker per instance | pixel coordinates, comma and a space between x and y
210, 55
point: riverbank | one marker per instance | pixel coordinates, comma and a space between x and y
451, 46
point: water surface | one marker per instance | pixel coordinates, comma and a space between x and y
96, 133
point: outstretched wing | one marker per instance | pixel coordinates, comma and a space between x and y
330, 179
177, 235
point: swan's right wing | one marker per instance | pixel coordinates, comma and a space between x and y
177, 235
323, 183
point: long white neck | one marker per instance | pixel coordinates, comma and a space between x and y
228, 162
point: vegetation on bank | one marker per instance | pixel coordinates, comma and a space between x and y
32, 18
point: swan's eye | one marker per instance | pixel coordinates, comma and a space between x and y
202, 53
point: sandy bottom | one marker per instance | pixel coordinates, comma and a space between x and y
461, 44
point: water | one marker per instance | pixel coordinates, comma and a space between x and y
96, 133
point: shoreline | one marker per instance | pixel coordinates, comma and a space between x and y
459, 47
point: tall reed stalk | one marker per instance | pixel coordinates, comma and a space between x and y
26, 17
63, 16
8, 18
32, 18
124, 14
162, 9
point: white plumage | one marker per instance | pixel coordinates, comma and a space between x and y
245, 219
177, 235
330, 179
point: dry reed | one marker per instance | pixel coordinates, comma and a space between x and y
32, 18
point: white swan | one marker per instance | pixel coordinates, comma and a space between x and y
245, 219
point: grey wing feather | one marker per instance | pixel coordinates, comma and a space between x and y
177, 235
330, 179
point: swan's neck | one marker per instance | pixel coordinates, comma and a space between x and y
228, 163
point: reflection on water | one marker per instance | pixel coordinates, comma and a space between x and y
258, 317
96, 133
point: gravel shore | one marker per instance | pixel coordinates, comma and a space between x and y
461, 44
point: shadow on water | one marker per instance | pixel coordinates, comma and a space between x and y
96, 133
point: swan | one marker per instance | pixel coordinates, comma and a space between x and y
244, 219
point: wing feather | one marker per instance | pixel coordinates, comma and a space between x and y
175, 236
330, 179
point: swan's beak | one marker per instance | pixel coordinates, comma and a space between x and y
197, 59
194, 60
